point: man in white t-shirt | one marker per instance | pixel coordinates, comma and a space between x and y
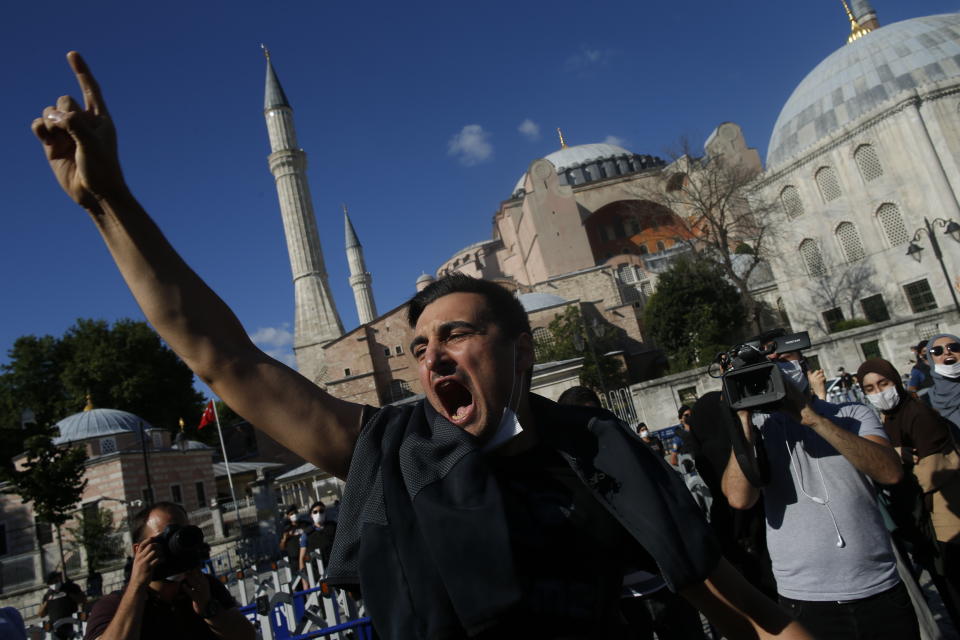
831, 553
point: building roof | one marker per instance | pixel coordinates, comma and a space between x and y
534, 301
862, 77
97, 423
273, 95
220, 468
304, 469
579, 154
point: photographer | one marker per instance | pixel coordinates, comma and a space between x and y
832, 558
186, 605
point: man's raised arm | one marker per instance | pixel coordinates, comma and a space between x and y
81, 147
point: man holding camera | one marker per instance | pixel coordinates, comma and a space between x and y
185, 606
831, 553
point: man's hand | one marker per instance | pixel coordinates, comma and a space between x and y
81, 144
818, 383
144, 561
796, 404
197, 587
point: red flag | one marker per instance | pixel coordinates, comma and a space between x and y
208, 416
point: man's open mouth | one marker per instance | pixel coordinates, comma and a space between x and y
456, 400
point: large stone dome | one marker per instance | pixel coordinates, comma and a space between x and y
864, 75
97, 423
602, 160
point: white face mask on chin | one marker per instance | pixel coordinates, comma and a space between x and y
509, 425
948, 370
318, 518
886, 399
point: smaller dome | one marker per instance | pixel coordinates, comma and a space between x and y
97, 423
536, 301
426, 277
190, 445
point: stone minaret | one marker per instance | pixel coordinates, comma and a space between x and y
360, 279
316, 321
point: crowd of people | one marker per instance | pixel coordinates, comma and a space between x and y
857, 499
486, 511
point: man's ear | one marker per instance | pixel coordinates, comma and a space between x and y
525, 354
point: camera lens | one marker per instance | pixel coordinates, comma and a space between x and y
186, 539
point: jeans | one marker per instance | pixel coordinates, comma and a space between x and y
886, 615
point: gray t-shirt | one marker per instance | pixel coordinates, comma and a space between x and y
815, 497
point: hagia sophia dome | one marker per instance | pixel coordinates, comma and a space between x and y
863, 77
96, 423
583, 163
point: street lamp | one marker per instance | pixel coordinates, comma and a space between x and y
950, 228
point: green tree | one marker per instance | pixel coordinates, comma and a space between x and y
125, 366
95, 533
694, 313
52, 479
569, 339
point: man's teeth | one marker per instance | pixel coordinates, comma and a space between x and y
460, 412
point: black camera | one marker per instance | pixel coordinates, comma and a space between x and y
750, 381
179, 548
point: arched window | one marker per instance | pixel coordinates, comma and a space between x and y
812, 258
542, 341
827, 181
676, 181
868, 162
790, 199
643, 249
892, 222
849, 241
660, 246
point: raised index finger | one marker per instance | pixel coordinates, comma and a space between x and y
92, 98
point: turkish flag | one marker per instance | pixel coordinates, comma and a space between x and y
208, 416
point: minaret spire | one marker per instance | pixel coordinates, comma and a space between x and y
563, 143
360, 279
857, 30
316, 321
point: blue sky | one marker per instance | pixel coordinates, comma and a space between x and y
419, 116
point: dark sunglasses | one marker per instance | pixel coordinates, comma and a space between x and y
953, 347
316, 511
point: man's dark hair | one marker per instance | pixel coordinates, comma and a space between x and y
682, 410
921, 345
54, 577
139, 521
503, 308
316, 504
580, 396
292, 509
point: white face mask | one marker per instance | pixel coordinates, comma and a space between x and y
794, 374
948, 370
509, 425
317, 518
644, 433
293, 518
886, 399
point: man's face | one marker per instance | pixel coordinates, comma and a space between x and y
685, 419
944, 350
156, 523
466, 366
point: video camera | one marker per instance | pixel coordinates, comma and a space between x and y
751, 381
180, 548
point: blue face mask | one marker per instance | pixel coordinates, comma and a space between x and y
794, 374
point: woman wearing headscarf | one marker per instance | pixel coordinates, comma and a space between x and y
943, 355
911, 423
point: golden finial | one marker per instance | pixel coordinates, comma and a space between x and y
89, 405
563, 143
181, 424
857, 31
266, 51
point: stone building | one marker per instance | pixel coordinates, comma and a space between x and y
864, 153
127, 459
